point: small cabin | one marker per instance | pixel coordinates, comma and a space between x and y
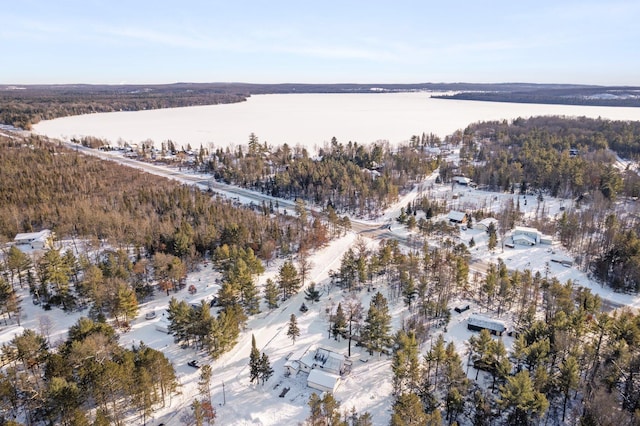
479, 323
457, 217
461, 180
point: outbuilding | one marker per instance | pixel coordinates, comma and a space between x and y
479, 322
323, 381
461, 180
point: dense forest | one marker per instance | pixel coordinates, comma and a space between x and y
354, 178
48, 186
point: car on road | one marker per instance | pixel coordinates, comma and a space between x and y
150, 315
194, 363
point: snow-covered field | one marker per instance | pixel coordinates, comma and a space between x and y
368, 386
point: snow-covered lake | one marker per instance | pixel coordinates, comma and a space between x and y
309, 120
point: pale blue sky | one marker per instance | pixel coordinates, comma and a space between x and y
95, 41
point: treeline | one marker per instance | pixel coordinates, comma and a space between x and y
351, 178
26, 106
88, 380
592, 96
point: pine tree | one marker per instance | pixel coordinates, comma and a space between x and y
339, 327
377, 329
204, 383
288, 280
254, 361
521, 400
271, 294
293, 332
265, 368
569, 380
311, 294
408, 411
405, 365
493, 237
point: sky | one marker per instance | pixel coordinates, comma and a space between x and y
301, 41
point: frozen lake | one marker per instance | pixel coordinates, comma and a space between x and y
309, 120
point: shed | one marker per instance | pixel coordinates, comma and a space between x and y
323, 381
479, 322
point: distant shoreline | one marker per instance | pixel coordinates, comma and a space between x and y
604, 97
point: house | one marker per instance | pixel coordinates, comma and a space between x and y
324, 366
523, 240
461, 180
479, 322
484, 224
323, 381
457, 217
526, 236
34, 240
302, 360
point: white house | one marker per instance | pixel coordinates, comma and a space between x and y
34, 240
324, 366
527, 236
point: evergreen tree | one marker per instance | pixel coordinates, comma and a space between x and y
324, 411
493, 237
293, 332
271, 294
521, 400
339, 327
204, 382
408, 411
569, 380
311, 294
265, 368
405, 365
376, 334
288, 280
254, 361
